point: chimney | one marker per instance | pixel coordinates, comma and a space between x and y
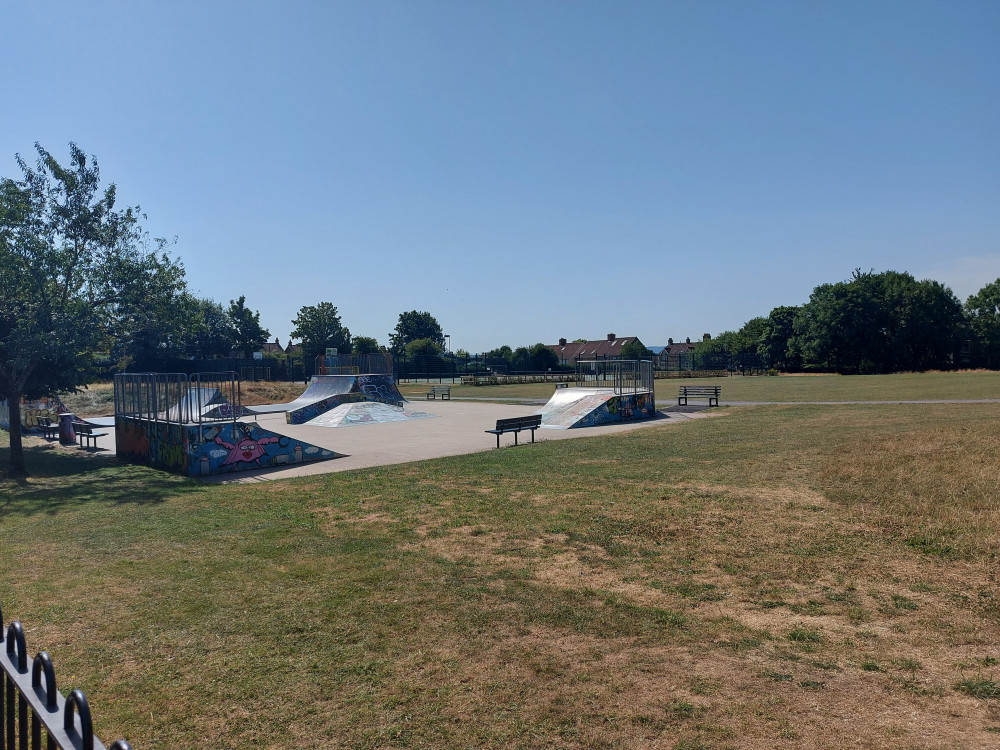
689, 339
277, 343
670, 342
706, 337
611, 337
562, 342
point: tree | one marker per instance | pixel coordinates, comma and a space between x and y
634, 349
365, 345
879, 322
983, 312
320, 329
423, 348
209, 333
777, 340
247, 333
415, 325
75, 272
542, 358
520, 360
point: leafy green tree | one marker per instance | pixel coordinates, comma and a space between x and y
320, 329
716, 353
542, 358
501, 352
634, 349
209, 331
520, 360
983, 312
414, 325
748, 338
365, 345
885, 322
76, 273
777, 343
423, 348
248, 335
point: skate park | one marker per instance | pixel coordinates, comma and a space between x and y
197, 425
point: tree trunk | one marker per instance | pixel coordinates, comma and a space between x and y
17, 469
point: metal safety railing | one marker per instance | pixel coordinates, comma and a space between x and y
30, 704
624, 376
175, 398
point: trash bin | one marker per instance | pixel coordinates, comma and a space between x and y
67, 435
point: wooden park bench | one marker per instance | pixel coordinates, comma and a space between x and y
444, 391
49, 431
85, 431
515, 425
711, 392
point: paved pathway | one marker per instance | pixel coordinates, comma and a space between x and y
458, 428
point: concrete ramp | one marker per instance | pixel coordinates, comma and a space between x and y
590, 407
367, 412
200, 450
205, 403
326, 392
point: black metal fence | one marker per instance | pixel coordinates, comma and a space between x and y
436, 368
30, 703
452, 368
269, 368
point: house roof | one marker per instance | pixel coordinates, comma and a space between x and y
677, 347
272, 346
600, 349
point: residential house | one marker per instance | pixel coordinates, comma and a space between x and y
569, 353
676, 355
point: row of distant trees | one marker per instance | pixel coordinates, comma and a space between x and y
874, 323
82, 280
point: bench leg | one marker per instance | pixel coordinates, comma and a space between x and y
498, 440
515, 436
532, 434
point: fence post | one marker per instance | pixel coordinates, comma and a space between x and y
70, 728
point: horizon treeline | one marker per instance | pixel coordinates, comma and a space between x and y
873, 323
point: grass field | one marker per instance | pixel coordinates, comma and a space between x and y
98, 400
796, 388
781, 576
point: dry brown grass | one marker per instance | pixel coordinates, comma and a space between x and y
269, 392
790, 577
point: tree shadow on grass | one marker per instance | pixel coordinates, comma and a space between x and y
60, 478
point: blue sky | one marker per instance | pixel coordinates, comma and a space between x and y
528, 170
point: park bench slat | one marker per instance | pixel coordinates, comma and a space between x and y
515, 425
711, 392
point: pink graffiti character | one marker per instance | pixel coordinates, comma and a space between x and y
246, 449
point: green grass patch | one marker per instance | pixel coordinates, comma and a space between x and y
650, 587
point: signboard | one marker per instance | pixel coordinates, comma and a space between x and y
258, 355
331, 352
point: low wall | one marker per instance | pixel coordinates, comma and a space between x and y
626, 408
204, 450
32, 411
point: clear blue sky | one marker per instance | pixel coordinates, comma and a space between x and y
529, 170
